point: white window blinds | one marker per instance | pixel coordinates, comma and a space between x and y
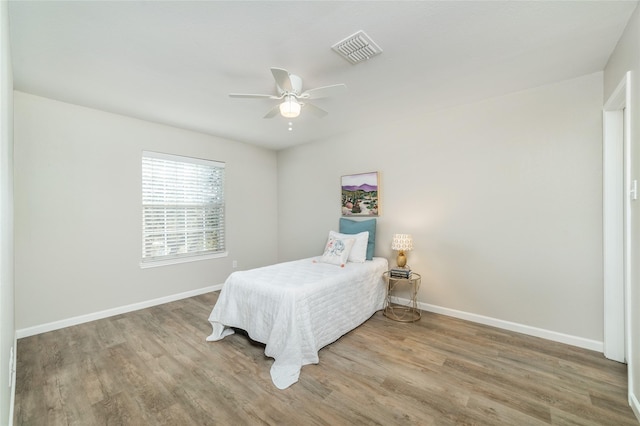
182, 207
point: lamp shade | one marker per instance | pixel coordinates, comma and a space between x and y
290, 108
402, 242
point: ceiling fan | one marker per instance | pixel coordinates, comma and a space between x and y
289, 87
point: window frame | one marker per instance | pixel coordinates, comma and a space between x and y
171, 259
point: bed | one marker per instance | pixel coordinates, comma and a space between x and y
296, 308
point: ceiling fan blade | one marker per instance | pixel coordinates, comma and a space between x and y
282, 79
324, 92
273, 112
318, 112
251, 95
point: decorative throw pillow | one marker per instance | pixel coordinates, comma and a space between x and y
337, 251
348, 226
358, 252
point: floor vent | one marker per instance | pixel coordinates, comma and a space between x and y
357, 48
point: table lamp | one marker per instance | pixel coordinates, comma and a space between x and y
402, 243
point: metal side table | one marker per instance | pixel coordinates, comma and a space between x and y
405, 288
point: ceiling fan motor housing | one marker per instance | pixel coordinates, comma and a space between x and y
296, 85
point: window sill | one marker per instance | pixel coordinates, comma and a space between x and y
177, 260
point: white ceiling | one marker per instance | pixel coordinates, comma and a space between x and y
175, 62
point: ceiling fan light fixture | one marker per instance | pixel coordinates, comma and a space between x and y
290, 108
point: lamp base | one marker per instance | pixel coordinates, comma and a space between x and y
401, 260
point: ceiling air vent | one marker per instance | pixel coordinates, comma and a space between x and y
357, 48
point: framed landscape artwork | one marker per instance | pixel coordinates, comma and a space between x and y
360, 194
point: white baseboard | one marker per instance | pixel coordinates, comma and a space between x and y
635, 405
12, 396
580, 342
56, 325
507, 325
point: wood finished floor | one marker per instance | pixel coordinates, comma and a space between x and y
154, 367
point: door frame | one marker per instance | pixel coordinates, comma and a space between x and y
616, 221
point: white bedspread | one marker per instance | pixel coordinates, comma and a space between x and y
296, 308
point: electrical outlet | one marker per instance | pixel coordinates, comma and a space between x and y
234, 264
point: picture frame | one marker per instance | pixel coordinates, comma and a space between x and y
360, 196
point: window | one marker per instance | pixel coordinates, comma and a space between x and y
182, 208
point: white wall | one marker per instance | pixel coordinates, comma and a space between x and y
7, 325
78, 210
503, 198
626, 57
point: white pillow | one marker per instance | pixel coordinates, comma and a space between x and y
337, 250
359, 250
